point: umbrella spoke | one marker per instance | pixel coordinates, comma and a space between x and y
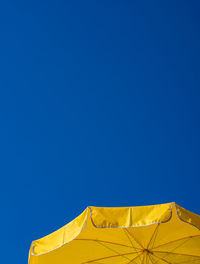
168, 252
147, 259
172, 241
111, 249
98, 262
108, 257
125, 231
151, 258
109, 242
143, 259
128, 235
174, 253
153, 237
162, 260
132, 260
190, 261
134, 238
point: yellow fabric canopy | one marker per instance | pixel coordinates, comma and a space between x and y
155, 234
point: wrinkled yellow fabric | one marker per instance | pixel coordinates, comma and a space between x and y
130, 216
161, 234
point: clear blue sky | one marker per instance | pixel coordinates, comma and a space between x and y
99, 105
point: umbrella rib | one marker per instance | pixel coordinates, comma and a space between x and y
152, 260
129, 239
147, 258
154, 233
163, 259
129, 234
113, 256
97, 240
132, 260
175, 241
111, 249
98, 262
131, 242
134, 238
167, 253
182, 254
143, 259
182, 262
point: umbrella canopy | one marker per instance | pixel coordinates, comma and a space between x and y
156, 234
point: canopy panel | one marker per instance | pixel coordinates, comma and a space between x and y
130, 216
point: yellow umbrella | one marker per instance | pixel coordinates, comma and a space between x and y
156, 234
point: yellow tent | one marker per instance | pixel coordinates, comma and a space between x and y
156, 234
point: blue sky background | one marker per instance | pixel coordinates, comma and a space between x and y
99, 105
